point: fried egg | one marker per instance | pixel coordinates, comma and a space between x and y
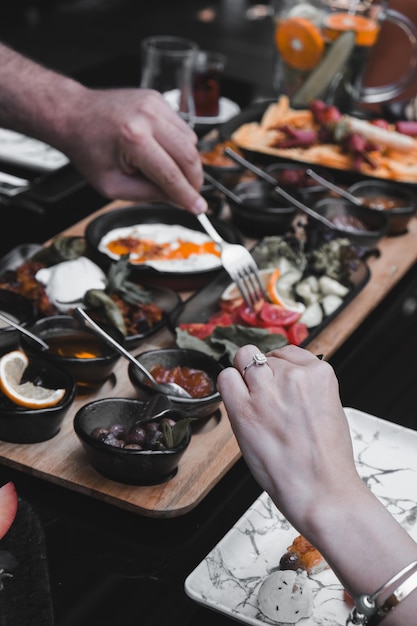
165, 247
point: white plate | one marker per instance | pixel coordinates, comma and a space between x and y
227, 109
19, 149
228, 579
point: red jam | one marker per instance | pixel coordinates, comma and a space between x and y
196, 382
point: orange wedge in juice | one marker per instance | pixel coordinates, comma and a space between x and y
299, 42
366, 29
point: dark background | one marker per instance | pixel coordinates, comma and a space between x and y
106, 566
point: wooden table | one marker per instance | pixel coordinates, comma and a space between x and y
213, 449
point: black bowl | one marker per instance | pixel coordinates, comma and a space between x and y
345, 214
19, 309
156, 214
293, 178
169, 358
404, 201
65, 333
226, 171
129, 466
261, 211
21, 425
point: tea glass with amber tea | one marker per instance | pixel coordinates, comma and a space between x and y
323, 48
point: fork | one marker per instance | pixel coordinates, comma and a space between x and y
238, 263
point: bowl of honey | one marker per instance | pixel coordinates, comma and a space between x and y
74, 348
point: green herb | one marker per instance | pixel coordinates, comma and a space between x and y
224, 342
117, 282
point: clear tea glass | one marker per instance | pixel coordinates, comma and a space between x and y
323, 47
167, 66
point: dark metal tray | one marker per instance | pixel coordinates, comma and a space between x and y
200, 306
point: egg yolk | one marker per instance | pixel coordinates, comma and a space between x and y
147, 250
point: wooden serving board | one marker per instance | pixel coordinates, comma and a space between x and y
213, 449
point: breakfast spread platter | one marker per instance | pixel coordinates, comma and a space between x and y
229, 578
324, 137
213, 449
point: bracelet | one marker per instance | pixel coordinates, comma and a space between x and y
368, 609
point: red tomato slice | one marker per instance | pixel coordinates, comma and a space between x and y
297, 333
222, 318
277, 330
247, 315
275, 315
198, 330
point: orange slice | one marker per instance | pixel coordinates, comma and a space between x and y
299, 42
278, 298
12, 367
366, 30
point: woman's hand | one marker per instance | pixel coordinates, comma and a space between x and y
291, 427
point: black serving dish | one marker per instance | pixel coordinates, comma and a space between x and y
261, 211
204, 303
169, 358
399, 216
156, 214
129, 466
19, 309
22, 425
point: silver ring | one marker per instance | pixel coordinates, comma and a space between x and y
258, 359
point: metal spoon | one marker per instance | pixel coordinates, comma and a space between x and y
341, 192
216, 183
270, 179
171, 389
24, 331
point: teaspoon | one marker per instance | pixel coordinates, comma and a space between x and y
326, 183
24, 331
171, 389
272, 181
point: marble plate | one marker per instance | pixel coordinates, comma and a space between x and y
228, 579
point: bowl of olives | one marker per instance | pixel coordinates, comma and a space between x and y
133, 441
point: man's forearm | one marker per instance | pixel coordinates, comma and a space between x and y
35, 100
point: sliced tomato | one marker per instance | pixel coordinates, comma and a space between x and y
275, 315
198, 330
221, 318
297, 333
246, 315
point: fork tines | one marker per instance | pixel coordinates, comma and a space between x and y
250, 285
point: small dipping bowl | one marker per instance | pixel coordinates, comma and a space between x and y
293, 178
398, 201
347, 216
220, 166
129, 466
74, 348
170, 358
22, 425
20, 310
262, 211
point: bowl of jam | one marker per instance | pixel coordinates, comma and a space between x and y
397, 201
193, 370
74, 348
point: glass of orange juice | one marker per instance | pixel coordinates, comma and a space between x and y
323, 47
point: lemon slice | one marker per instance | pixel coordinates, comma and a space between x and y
12, 367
